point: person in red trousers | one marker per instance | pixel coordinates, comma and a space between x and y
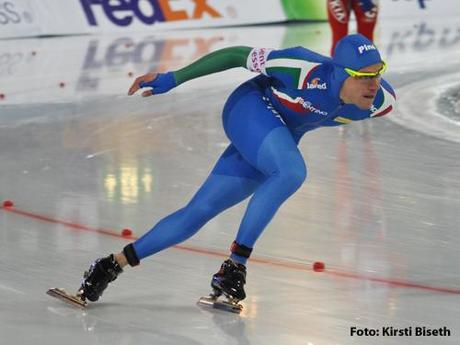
366, 12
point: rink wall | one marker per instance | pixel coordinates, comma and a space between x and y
21, 18
30, 18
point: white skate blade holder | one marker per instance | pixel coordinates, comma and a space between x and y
62, 295
214, 302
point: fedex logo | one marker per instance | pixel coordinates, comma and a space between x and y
122, 12
365, 48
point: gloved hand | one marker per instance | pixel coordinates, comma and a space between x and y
367, 5
160, 83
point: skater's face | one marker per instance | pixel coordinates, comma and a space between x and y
361, 90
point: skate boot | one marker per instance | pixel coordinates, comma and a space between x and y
95, 280
100, 274
230, 280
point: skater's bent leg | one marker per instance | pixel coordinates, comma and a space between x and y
261, 137
282, 164
279, 158
231, 181
265, 142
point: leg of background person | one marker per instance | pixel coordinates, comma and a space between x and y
366, 21
338, 12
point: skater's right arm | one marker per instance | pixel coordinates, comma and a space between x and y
216, 61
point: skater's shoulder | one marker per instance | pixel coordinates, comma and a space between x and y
298, 53
384, 101
385, 86
298, 63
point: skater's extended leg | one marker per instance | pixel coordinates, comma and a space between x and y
231, 181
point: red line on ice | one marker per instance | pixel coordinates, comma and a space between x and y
270, 262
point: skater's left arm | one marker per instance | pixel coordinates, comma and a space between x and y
289, 66
216, 61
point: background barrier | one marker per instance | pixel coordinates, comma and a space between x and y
29, 18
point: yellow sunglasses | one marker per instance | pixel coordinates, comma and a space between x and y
366, 75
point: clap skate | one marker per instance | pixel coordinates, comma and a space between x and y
229, 282
95, 280
230, 304
76, 300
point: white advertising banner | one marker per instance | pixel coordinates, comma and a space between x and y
105, 15
418, 8
64, 69
17, 19
57, 17
28, 18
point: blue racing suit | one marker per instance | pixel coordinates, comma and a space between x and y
296, 91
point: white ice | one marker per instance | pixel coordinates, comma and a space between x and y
380, 207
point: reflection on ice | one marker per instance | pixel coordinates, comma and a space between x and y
380, 205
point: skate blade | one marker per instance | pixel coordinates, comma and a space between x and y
221, 305
66, 297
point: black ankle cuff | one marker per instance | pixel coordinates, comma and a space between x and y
131, 255
241, 250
